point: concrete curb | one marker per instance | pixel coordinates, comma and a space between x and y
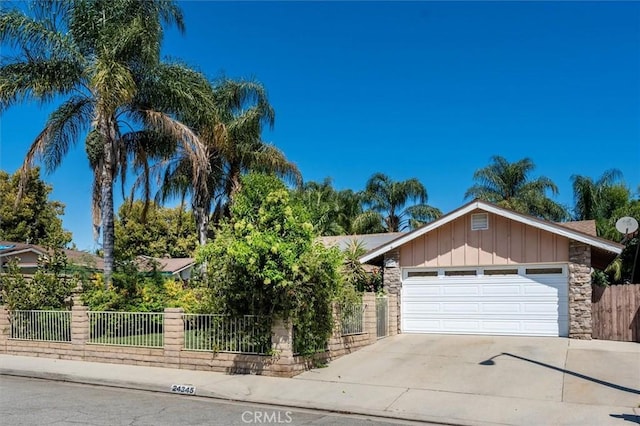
204, 393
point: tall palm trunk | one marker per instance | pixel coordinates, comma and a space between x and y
201, 215
107, 131
233, 184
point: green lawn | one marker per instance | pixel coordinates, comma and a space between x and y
145, 340
193, 341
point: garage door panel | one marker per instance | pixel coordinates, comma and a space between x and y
471, 308
461, 290
505, 326
500, 290
509, 305
420, 325
501, 308
422, 290
540, 327
417, 308
540, 308
539, 289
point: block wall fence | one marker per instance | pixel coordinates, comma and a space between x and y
283, 362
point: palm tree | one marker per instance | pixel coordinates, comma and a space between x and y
590, 198
332, 212
243, 108
231, 138
103, 57
386, 200
509, 185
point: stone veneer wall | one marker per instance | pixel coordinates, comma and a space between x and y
393, 283
283, 363
579, 290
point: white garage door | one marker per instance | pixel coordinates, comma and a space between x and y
524, 300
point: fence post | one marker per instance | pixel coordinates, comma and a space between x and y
4, 328
79, 326
282, 346
336, 332
393, 315
173, 335
370, 325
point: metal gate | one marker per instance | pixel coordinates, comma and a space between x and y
382, 316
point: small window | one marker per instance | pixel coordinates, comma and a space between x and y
459, 273
543, 271
479, 221
422, 274
501, 272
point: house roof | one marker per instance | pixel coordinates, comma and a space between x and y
367, 241
601, 244
584, 226
81, 258
167, 265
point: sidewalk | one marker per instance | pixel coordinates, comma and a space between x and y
392, 402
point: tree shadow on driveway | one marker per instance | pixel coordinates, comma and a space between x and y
491, 361
628, 417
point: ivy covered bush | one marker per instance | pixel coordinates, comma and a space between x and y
266, 261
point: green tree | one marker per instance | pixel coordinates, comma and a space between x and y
622, 269
265, 260
103, 58
387, 199
162, 232
232, 139
33, 218
331, 212
354, 271
598, 199
49, 288
510, 185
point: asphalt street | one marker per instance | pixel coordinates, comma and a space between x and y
44, 402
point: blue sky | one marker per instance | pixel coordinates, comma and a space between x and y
417, 89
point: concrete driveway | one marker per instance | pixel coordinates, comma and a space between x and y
525, 368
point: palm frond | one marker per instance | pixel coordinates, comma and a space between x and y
368, 222
423, 213
35, 38
62, 130
178, 90
39, 79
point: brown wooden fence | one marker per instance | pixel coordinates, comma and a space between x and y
615, 312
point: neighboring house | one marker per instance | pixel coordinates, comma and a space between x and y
483, 269
28, 255
177, 267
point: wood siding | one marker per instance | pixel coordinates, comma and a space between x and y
615, 312
505, 242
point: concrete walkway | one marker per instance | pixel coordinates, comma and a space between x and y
462, 380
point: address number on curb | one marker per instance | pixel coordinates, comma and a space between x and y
184, 389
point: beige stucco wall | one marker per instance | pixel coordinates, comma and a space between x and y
505, 242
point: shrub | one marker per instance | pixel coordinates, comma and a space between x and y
135, 291
265, 261
49, 288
